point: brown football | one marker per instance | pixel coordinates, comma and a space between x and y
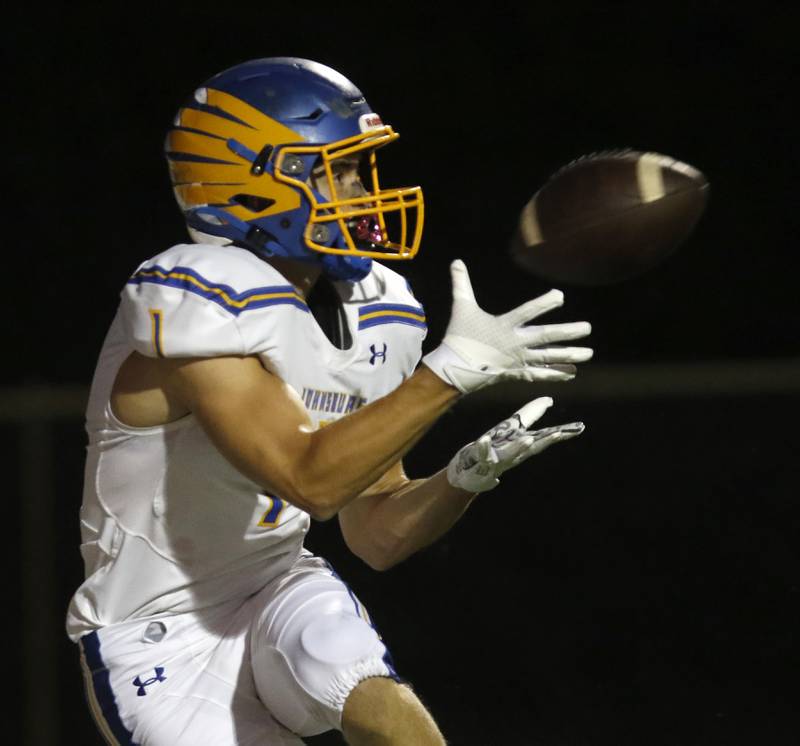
609, 216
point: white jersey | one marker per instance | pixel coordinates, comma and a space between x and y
167, 524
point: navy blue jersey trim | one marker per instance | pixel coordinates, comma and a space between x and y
185, 278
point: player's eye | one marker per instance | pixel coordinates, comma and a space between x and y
340, 171
342, 168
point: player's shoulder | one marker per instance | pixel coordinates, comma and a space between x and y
393, 282
205, 300
382, 285
385, 297
228, 275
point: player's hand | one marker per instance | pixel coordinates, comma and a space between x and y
480, 349
478, 465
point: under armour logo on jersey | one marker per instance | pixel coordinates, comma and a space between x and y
376, 354
144, 684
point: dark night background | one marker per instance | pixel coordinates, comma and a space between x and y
636, 586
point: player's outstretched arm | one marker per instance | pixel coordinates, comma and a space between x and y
480, 349
397, 517
262, 427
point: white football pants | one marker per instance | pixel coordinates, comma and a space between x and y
264, 671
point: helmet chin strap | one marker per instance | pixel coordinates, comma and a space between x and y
341, 267
350, 268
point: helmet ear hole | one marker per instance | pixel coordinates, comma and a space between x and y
253, 202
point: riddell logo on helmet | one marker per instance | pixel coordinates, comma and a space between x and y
367, 122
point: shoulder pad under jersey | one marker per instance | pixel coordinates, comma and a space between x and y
199, 300
385, 296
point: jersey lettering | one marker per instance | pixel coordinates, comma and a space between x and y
338, 402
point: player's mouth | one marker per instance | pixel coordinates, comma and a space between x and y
366, 229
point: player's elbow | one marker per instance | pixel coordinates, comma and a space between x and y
385, 559
321, 490
318, 500
383, 562
381, 550
319, 506
322, 513
376, 560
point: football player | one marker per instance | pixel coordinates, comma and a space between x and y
202, 618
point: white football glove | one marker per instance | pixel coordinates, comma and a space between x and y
480, 349
478, 465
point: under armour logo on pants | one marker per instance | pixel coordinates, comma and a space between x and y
144, 684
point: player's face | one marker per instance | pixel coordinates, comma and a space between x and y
366, 230
346, 180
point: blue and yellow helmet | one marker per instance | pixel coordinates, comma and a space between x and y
242, 151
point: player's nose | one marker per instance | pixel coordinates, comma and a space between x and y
354, 190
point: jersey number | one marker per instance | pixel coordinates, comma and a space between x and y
272, 516
157, 330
